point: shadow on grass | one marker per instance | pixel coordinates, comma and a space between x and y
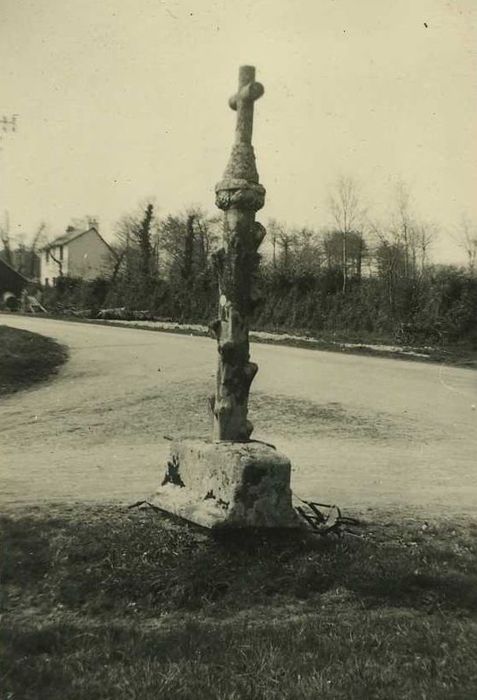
27, 358
104, 602
111, 559
355, 655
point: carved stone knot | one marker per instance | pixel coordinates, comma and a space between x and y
239, 194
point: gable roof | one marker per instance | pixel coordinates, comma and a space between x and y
68, 236
72, 235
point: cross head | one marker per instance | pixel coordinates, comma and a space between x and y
242, 102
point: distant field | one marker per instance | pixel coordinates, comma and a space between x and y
27, 358
106, 602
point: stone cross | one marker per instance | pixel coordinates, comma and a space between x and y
242, 103
233, 482
239, 195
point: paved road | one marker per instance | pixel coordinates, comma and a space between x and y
360, 431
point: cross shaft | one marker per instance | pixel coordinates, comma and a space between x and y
242, 103
239, 195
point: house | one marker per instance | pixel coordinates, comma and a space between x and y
76, 253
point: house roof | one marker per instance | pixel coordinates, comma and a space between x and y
10, 279
69, 236
72, 235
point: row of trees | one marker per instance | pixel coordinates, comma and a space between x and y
20, 255
356, 274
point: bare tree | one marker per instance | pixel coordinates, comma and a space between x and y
425, 234
272, 226
38, 237
389, 257
347, 213
404, 221
468, 241
282, 238
5, 238
208, 231
414, 236
26, 256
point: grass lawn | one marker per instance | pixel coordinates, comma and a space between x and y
106, 602
26, 358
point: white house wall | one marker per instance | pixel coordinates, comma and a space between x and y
88, 256
49, 269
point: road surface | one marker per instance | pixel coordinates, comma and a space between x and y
360, 431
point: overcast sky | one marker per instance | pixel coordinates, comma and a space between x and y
120, 101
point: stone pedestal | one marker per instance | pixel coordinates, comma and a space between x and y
227, 484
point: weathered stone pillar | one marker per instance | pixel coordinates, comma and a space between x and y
239, 195
232, 481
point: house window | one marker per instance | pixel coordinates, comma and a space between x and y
47, 282
60, 249
47, 255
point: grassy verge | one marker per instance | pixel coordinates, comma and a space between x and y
458, 354
26, 358
102, 602
463, 354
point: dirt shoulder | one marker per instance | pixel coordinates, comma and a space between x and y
457, 355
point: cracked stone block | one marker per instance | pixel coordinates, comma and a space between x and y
228, 484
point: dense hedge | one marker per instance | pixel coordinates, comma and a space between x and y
436, 307
440, 306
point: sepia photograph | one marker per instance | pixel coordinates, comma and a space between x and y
238, 350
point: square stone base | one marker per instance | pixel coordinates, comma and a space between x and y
228, 484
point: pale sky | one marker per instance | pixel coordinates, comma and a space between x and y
120, 101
